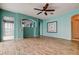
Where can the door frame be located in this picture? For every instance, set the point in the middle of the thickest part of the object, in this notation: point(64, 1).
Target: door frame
point(3, 26)
point(76, 15)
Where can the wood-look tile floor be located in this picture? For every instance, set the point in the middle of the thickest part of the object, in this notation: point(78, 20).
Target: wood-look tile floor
point(39, 46)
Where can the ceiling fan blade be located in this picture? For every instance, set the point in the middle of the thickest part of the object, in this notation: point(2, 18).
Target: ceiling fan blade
point(45, 13)
point(46, 6)
point(39, 13)
point(50, 10)
point(38, 9)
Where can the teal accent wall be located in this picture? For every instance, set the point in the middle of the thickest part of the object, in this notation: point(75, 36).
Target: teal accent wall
point(32, 31)
point(18, 30)
point(0, 27)
point(64, 25)
point(41, 27)
point(28, 32)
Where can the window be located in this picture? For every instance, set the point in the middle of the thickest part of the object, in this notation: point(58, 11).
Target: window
point(8, 28)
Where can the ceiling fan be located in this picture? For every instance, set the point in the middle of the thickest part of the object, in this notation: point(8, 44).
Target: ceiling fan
point(45, 10)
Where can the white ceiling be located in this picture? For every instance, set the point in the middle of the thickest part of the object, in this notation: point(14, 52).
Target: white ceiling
point(28, 8)
point(0, 5)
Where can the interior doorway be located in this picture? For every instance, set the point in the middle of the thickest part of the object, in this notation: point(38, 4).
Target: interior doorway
point(75, 27)
point(28, 28)
point(8, 28)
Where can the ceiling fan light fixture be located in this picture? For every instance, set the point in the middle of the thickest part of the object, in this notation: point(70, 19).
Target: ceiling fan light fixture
point(44, 9)
point(51, 13)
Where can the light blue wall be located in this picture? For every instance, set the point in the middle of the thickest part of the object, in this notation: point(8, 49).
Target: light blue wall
point(64, 25)
point(18, 33)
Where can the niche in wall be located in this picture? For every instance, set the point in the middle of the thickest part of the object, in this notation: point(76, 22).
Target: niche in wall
point(28, 28)
point(26, 23)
